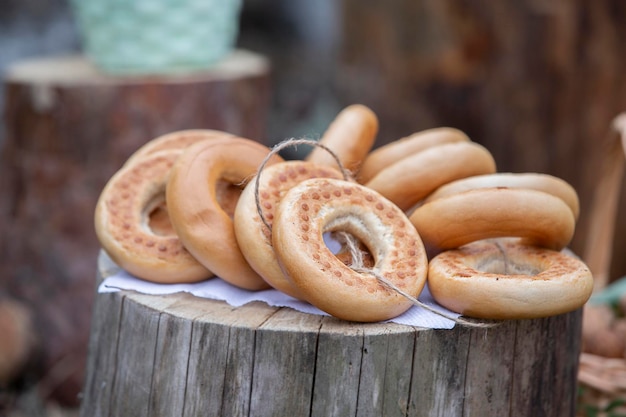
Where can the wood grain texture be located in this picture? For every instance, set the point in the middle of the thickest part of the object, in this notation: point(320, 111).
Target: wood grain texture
point(68, 129)
point(179, 355)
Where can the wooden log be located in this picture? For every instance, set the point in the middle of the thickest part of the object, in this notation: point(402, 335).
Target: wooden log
point(182, 355)
point(68, 129)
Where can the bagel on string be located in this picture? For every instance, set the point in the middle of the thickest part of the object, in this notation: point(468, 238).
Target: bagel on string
point(145, 247)
point(392, 152)
point(175, 140)
point(539, 218)
point(501, 279)
point(253, 236)
point(531, 180)
point(350, 136)
point(208, 176)
point(316, 206)
point(411, 179)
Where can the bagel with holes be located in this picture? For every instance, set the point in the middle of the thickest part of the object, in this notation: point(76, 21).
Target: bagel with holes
point(394, 151)
point(320, 205)
point(502, 279)
point(202, 193)
point(147, 249)
point(530, 180)
point(411, 179)
point(539, 218)
point(253, 236)
point(350, 136)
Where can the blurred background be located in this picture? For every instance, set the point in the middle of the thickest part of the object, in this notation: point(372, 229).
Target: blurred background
point(536, 82)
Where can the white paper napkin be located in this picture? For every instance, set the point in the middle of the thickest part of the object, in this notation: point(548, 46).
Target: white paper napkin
point(218, 289)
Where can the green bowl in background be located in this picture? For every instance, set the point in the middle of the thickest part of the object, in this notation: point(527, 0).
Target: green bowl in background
point(156, 36)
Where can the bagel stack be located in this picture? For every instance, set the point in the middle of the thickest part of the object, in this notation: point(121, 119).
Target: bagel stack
point(430, 207)
point(494, 239)
point(146, 224)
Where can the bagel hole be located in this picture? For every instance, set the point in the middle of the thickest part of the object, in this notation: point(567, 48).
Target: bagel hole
point(159, 219)
point(506, 266)
point(336, 242)
point(227, 195)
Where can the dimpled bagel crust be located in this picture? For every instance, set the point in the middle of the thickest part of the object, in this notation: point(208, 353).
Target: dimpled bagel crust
point(316, 206)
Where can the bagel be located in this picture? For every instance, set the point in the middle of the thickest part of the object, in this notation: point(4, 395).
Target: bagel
point(147, 250)
point(540, 218)
point(411, 179)
point(193, 200)
point(175, 140)
point(392, 152)
point(320, 205)
point(350, 136)
point(535, 181)
point(500, 279)
point(253, 236)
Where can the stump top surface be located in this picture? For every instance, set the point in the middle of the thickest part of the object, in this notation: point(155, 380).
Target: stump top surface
point(78, 70)
point(253, 315)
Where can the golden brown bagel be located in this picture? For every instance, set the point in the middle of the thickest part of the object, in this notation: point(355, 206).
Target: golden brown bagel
point(320, 205)
point(350, 136)
point(500, 279)
point(531, 180)
point(540, 218)
point(388, 154)
point(122, 223)
point(411, 179)
point(175, 140)
point(202, 224)
point(253, 237)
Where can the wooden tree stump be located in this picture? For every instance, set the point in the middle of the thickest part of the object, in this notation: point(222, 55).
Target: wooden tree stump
point(179, 355)
point(68, 129)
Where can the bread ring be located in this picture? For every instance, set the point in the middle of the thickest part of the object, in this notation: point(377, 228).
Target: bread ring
point(503, 280)
point(388, 154)
point(175, 140)
point(411, 179)
point(350, 136)
point(123, 227)
point(540, 218)
point(534, 181)
point(320, 205)
point(253, 237)
point(202, 224)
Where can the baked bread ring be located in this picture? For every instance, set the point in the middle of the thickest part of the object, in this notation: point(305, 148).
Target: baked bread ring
point(253, 236)
point(540, 218)
point(534, 181)
point(411, 179)
point(500, 279)
point(321, 205)
point(350, 136)
point(392, 152)
point(203, 225)
point(122, 223)
point(175, 140)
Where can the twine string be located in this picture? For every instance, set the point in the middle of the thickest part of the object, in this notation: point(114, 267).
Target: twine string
point(358, 266)
point(347, 175)
point(349, 240)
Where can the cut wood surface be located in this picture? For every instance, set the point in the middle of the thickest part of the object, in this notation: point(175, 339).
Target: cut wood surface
point(68, 129)
point(179, 355)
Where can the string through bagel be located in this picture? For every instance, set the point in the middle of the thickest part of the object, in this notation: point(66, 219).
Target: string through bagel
point(350, 241)
point(358, 266)
point(347, 175)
